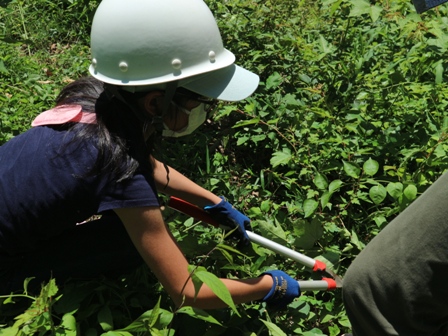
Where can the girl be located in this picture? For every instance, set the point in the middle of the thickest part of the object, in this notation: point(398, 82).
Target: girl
point(156, 71)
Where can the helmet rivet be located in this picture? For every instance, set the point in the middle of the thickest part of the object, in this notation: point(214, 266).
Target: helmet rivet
point(176, 63)
point(94, 62)
point(212, 56)
point(123, 66)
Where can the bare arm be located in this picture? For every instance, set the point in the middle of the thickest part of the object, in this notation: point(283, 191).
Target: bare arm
point(182, 187)
point(161, 253)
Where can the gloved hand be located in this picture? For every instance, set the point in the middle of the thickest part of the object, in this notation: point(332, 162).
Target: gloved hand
point(229, 218)
point(283, 291)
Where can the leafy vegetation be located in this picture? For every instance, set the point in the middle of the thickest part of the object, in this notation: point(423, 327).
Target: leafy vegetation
point(347, 128)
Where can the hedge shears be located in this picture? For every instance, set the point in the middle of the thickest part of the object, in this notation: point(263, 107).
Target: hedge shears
point(329, 281)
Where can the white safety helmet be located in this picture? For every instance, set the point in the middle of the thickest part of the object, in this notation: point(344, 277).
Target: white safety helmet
point(146, 44)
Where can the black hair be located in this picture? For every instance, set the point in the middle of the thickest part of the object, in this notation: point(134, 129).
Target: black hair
point(119, 131)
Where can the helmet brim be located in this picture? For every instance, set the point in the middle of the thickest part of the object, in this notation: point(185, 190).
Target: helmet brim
point(231, 83)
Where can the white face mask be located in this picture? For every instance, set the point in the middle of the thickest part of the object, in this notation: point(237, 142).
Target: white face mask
point(196, 118)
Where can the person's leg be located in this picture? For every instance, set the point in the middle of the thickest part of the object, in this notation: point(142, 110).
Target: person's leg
point(397, 284)
point(100, 247)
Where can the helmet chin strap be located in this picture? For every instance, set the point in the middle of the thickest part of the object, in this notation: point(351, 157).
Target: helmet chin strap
point(170, 90)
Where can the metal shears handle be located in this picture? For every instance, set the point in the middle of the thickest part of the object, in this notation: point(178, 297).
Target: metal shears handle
point(327, 283)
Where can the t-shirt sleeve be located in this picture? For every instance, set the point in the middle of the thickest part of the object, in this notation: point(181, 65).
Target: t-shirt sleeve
point(139, 191)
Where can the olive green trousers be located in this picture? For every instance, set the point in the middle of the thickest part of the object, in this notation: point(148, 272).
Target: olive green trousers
point(398, 285)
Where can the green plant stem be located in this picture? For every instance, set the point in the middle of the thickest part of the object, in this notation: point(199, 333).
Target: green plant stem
point(25, 32)
point(17, 295)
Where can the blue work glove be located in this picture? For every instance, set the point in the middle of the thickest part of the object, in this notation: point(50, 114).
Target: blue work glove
point(230, 218)
point(284, 290)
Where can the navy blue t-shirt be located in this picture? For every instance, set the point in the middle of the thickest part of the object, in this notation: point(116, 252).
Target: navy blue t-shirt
point(45, 187)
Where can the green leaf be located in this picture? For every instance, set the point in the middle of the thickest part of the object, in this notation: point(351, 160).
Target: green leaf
point(325, 198)
point(68, 325)
point(274, 330)
point(410, 192)
point(105, 319)
point(147, 319)
point(274, 80)
point(375, 12)
point(370, 167)
point(155, 312)
point(243, 123)
point(242, 140)
point(395, 189)
point(198, 314)
point(320, 181)
point(3, 68)
point(216, 285)
point(307, 233)
point(351, 169)
point(281, 158)
point(359, 8)
point(377, 194)
point(355, 241)
point(272, 231)
point(309, 206)
point(325, 46)
point(334, 185)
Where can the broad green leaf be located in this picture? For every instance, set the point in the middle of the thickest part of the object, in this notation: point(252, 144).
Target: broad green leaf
point(281, 158)
point(377, 194)
point(395, 189)
point(380, 220)
point(320, 181)
point(334, 185)
point(325, 198)
point(257, 138)
point(105, 319)
point(359, 7)
point(274, 330)
point(351, 169)
point(375, 12)
point(307, 233)
point(355, 241)
point(50, 289)
point(217, 287)
point(242, 140)
point(370, 167)
point(68, 325)
point(325, 46)
point(197, 283)
point(274, 80)
point(198, 314)
point(272, 231)
point(410, 192)
point(265, 206)
point(11, 331)
point(3, 68)
point(309, 206)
